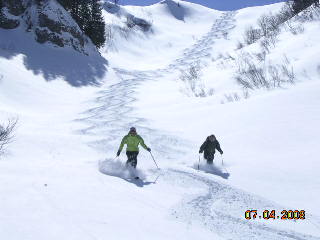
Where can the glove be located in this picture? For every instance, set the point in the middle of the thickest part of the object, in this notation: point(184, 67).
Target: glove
point(149, 149)
point(221, 152)
point(118, 153)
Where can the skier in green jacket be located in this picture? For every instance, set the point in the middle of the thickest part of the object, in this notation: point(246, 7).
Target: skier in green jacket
point(132, 140)
point(209, 148)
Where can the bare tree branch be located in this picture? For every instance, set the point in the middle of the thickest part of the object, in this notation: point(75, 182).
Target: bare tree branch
point(6, 133)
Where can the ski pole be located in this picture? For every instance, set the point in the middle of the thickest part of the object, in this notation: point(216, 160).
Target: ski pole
point(223, 164)
point(154, 160)
point(199, 163)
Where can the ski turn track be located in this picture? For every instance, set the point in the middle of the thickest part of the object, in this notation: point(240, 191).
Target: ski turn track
point(221, 210)
point(217, 209)
point(115, 113)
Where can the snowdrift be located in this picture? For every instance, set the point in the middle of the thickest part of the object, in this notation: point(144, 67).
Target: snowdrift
point(119, 169)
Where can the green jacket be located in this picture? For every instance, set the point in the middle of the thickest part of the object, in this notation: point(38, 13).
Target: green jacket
point(132, 143)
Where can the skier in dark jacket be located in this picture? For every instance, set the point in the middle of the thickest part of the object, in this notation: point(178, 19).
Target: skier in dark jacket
point(132, 140)
point(209, 148)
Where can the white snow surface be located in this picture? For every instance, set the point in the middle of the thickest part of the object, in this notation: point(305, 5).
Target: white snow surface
point(60, 178)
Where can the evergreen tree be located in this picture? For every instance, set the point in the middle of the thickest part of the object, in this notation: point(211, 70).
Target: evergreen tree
point(88, 15)
point(1, 15)
point(73, 7)
point(95, 28)
point(300, 5)
point(83, 14)
point(67, 4)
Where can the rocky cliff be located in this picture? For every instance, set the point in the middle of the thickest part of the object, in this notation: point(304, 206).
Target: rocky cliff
point(47, 20)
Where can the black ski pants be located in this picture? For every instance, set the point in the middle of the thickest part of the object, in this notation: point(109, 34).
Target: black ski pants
point(132, 158)
point(209, 156)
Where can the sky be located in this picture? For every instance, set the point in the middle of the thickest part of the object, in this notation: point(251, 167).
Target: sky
point(215, 4)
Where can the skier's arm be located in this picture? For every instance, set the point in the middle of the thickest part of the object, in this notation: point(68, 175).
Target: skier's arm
point(219, 148)
point(123, 142)
point(143, 144)
point(202, 147)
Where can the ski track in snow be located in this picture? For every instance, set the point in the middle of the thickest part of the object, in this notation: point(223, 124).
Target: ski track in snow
point(222, 209)
point(115, 112)
point(218, 208)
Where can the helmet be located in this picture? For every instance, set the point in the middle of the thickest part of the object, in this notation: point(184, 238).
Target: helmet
point(212, 137)
point(133, 130)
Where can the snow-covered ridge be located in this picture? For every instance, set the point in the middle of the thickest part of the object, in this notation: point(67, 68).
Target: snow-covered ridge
point(173, 27)
point(127, 18)
point(177, 10)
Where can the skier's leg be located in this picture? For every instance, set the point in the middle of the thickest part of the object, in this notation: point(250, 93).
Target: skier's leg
point(206, 157)
point(129, 156)
point(134, 159)
point(210, 158)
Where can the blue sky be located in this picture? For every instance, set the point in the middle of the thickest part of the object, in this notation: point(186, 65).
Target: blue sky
point(216, 4)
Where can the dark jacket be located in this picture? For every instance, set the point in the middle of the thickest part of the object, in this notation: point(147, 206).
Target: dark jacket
point(209, 147)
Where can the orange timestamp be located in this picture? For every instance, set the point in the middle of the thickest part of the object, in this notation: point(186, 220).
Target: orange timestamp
point(271, 214)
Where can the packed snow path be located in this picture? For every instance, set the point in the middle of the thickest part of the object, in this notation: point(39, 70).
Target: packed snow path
point(221, 208)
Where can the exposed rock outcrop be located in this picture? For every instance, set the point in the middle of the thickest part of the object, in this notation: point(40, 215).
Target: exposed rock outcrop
point(134, 21)
point(9, 10)
point(48, 21)
point(7, 22)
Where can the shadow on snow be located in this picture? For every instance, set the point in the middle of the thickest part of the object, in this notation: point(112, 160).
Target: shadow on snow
point(52, 62)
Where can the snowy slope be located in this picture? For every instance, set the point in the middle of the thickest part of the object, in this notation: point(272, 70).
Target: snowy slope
point(59, 179)
point(173, 29)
